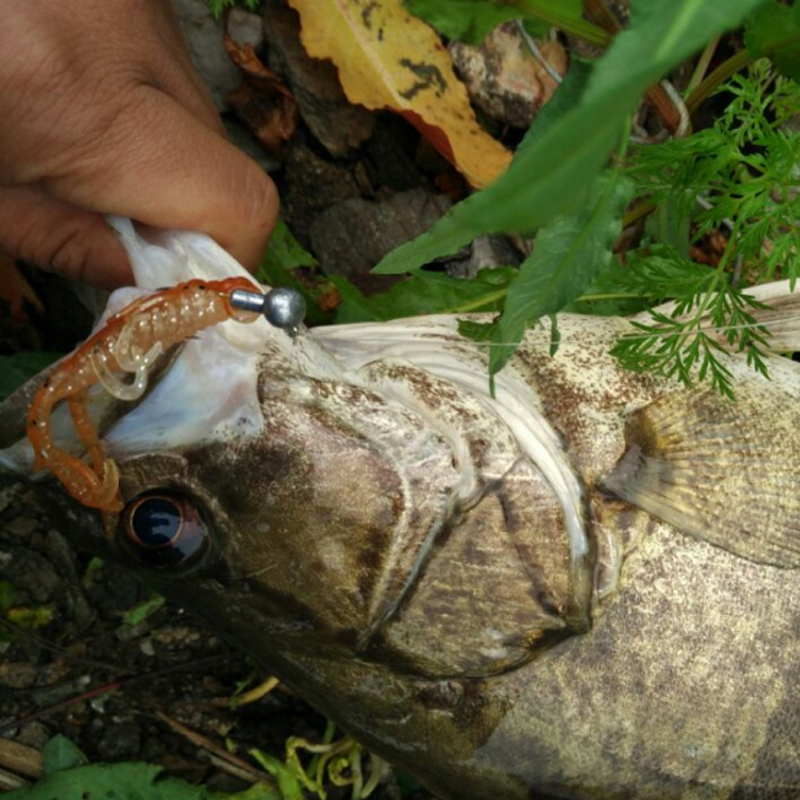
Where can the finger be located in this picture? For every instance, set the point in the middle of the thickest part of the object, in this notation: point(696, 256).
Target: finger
point(55, 236)
point(157, 163)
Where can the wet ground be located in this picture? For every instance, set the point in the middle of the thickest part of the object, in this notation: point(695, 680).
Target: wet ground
point(73, 661)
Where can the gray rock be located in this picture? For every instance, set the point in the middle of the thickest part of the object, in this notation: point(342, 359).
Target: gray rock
point(34, 734)
point(8, 494)
point(62, 557)
point(21, 527)
point(31, 572)
point(120, 741)
point(44, 696)
point(176, 637)
point(504, 79)
point(245, 28)
point(310, 185)
point(242, 137)
point(486, 252)
point(17, 675)
point(203, 36)
point(351, 237)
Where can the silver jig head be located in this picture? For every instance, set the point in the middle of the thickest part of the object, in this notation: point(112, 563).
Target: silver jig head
point(284, 308)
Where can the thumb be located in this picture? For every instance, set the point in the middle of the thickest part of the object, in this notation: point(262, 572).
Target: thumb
point(158, 164)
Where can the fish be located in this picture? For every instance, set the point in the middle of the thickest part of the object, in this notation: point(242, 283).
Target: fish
point(582, 586)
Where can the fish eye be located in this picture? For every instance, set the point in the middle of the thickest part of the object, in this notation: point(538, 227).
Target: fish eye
point(163, 530)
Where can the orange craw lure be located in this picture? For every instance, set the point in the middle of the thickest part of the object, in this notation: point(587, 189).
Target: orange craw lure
point(128, 343)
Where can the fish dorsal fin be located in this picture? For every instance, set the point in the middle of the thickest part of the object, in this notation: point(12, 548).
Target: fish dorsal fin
point(725, 472)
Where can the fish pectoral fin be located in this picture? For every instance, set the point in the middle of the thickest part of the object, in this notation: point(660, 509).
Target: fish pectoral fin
point(724, 472)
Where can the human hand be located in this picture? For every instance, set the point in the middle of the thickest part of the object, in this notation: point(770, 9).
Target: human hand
point(102, 112)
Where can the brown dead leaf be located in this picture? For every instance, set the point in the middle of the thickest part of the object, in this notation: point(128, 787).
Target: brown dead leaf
point(15, 290)
point(17, 299)
point(264, 104)
point(21, 759)
point(330, 300)
point(389, 59)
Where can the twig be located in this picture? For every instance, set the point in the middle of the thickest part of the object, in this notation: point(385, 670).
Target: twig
point(262, 690)
point(537, 53)
point(45, 645)
point(225, 758)
point(121, 683)
point(9, 781)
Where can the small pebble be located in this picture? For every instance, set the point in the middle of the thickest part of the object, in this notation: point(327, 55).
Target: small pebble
point(177, 637)
point(21, 526)
point(17, 675)
point(34, 734)
point(120, 741)
point(8, 494)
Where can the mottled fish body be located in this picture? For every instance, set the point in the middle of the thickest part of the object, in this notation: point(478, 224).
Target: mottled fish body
point(584, 587)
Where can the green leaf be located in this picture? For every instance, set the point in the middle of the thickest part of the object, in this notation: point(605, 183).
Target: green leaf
point(565, 99)
point(425, 293)
point(141, 611)
point(477, 331)
point(288, 784)
point(7, 593)
point(127, 781)
point(283, 252)
point(772, 24)
point(16, 369)
point(283, 257)
point(463, 20)
point(60, 753)
point(551, 177)
point(670, 225)
point(568, 254)
point(31, 617)
point(471, 20)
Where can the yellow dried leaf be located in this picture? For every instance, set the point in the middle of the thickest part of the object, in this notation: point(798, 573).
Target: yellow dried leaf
point(388, 59)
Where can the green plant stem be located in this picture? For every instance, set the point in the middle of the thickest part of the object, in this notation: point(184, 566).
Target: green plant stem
point(721, 74)
point(493, 297)
point(702, 66)
point(596, 298)
point(719, 272)
point(735, 63)
point(637, 212)
point(580, 28)
point(474, 305)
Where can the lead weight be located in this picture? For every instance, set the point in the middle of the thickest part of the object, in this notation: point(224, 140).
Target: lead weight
point(285, 308)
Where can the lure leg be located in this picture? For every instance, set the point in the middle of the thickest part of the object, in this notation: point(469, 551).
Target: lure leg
point(106, 475)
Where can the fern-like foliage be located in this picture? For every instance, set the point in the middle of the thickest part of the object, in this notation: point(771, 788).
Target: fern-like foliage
point(741, 175)
point(688, 342)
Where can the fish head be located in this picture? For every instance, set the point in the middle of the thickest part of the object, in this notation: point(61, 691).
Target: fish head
point(318, 499)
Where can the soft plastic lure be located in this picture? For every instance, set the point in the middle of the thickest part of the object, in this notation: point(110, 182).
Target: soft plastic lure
point(128, 344)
